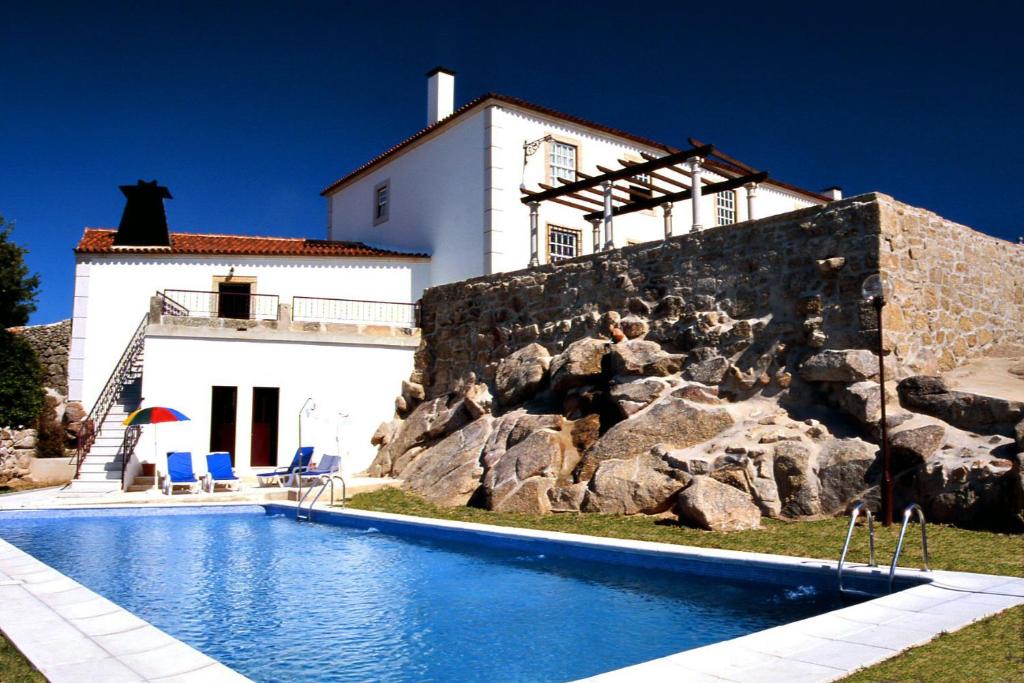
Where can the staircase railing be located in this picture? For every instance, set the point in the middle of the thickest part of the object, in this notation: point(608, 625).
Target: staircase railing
point(101, 407)
point(131, 437)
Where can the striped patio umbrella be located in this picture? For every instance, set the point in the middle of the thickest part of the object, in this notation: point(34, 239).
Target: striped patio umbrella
point(153, 416)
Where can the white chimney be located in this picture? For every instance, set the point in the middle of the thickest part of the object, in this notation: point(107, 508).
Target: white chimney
point(835, 192)
point(440, 94)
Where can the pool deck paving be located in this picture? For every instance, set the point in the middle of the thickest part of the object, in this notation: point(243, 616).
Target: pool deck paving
point(72, 634)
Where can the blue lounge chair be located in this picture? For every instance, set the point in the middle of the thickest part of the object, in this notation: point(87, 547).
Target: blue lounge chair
point(300, 463)
point(218, 471)
point(179, 472)
point(329, 464)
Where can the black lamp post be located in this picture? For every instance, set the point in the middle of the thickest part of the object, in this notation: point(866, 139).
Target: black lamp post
point(874, 290)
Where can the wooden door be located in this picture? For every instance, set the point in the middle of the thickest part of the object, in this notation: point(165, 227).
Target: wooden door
point(223, 409)
point(265, 402)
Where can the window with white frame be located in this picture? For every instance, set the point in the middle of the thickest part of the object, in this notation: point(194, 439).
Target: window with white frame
point(381, 202)
point(563, 161)
point(725, 205)
point(563, 243)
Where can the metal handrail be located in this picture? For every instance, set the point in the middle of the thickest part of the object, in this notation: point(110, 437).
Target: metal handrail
point(204, 303)
point(849, 536)
point(115, 383)
point(131, 438)
point(325, 480)
point(316, 308)
point(171, 307)
point(909, 512)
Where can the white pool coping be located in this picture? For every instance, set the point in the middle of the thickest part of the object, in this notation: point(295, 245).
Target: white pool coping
point(72, 634)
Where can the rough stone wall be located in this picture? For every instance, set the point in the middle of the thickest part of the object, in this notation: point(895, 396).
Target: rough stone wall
point(51, 344)
point(779, 287)
point(746, 292)
point(957, 293)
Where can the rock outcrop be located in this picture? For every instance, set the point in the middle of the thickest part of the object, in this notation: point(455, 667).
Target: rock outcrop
point(711, 505)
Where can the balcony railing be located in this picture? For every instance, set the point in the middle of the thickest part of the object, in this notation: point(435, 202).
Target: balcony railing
point(231, 305)
point(316, 309)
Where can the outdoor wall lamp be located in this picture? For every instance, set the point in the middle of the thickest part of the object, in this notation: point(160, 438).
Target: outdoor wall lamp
point(875, 289)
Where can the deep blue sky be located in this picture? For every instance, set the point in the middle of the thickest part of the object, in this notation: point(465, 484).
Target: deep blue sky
point(247, 110)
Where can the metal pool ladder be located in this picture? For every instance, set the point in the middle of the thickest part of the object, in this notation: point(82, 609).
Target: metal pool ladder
point(325, 482)
point(857, 509)
point(911, 510)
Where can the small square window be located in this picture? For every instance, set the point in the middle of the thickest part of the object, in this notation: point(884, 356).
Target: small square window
point(640, 188)
point(563, 243)
point(382, 202)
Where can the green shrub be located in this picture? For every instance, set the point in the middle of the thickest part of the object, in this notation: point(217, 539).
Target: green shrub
point(50, 431)
point(21, 377)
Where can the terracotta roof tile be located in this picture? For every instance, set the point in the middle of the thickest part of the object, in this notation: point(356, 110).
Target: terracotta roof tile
point(101, 241)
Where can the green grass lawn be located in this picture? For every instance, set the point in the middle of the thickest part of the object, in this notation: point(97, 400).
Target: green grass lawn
point(991, 650)
point(14, 668)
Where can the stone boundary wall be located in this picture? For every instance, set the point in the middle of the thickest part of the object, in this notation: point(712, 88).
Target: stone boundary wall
point(51, 343)
point(749, 292)
point(957, 293)
point(761, 294)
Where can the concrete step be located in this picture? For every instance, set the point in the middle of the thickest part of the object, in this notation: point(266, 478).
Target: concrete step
point(88, 471)
point(86, 486)
point(144, 481)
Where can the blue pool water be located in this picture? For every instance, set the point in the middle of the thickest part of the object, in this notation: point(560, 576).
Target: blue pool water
point(283, 601)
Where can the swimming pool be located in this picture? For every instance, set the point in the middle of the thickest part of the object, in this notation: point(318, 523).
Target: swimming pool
point(367, 599)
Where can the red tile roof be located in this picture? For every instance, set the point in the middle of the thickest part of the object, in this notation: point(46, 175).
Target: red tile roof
point(101, 241)
point(515, 101)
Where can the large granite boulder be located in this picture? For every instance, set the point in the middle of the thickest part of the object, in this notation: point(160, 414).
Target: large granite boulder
point(715, 506)
point(912, 447)
point(673, 422)
point(845, 365)
point(429, 422)
point(509, 483)
point(972, 412)
point(710, 371)
point(1018, 435)
point(521, 374)
point(567, 498)
point(845, 473)
point(646, 484)
point(631, 397)
point(580, 364)
point(955, 486)
point(641, 357)
point(861, 400)
point(448, 473)
point(795, 468)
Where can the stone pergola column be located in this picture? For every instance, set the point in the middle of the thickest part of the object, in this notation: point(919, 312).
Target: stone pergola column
point(695, 188)
point(534, 237)
point(595, 223)
point(609, 234)
point(666, 211)
point(751, 196)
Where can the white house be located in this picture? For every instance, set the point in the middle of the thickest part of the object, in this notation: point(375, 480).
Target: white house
point(240, 332)
point(237, 332)
point(455, 189)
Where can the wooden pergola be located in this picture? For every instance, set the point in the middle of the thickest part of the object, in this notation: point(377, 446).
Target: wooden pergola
point(641, 185)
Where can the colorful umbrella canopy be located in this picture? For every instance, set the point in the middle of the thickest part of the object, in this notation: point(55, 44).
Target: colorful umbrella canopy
point(154, 415)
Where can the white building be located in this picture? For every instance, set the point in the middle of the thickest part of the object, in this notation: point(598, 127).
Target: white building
point(453, 189)
point(238, 332)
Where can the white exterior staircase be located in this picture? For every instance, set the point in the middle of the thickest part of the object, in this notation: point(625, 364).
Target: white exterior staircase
point(102, 458)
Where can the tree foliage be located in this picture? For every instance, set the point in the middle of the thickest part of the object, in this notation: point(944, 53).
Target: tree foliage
point(21, 380)
point(21, 376)
point(18, 289)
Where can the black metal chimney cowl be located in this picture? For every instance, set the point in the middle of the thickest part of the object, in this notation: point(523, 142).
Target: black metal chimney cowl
point(144, 221)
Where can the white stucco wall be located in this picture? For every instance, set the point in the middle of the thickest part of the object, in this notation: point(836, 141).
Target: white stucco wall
point(457, 192)
point(436, 202)
point(357, 380)
point(112, 294)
